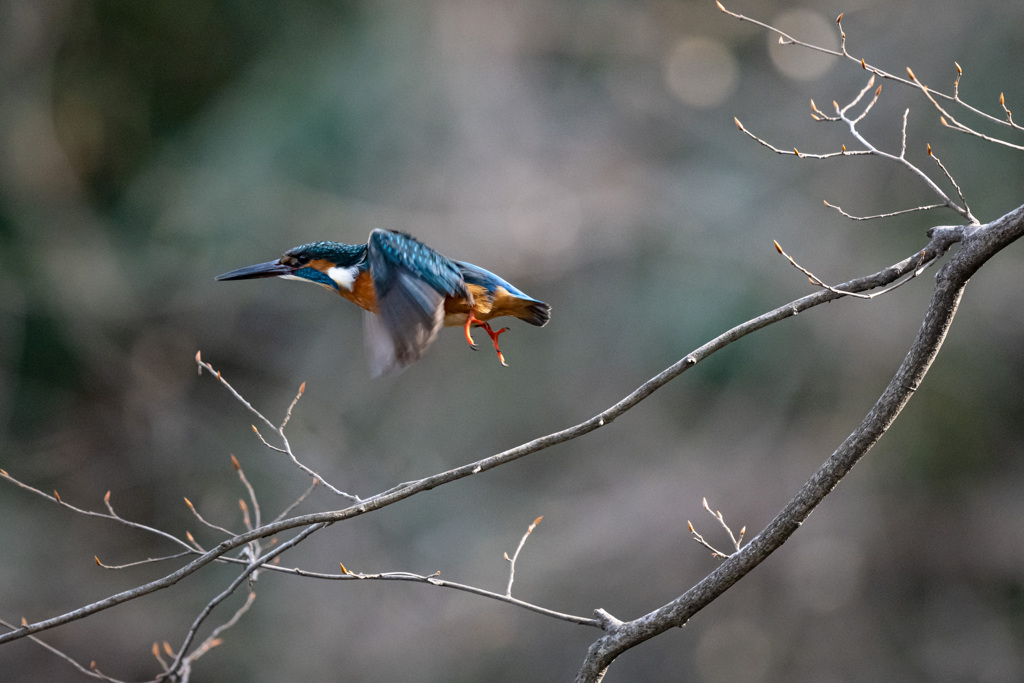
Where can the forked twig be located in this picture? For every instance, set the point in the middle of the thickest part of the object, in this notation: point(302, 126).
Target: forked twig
point(737, 540)
point(515, 556)
point(279, 430)
point(815, 280)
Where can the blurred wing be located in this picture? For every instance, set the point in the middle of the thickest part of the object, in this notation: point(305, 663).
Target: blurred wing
point(410, 281)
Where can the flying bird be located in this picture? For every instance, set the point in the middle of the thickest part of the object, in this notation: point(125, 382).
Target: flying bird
point(408, 291)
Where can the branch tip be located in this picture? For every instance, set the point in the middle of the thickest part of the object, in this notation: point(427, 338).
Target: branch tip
point(189, 503)
point(911, 74)
point(344, 571)
point(738, 124)
point(839, 19)
point(234, 462)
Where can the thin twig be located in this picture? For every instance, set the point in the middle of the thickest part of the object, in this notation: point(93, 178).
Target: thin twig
point(55, 498)
point(213, 640)
point(288, 413)
point(882, 215)
point(515, 556)
point(148, 560)
point(297, 501)
point(786, 39)
point(206, 522)
point(248, 486)
point(88, 671)
point(286, 449)
point(821, 283)
point(433, 580)
point(737, 541)
point(239, 580)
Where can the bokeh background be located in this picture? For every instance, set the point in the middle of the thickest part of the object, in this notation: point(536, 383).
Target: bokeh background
point(586, 152)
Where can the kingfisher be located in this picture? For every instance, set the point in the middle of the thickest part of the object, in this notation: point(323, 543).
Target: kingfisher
point(408, 290)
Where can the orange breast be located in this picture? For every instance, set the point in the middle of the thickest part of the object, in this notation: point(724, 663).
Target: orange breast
point(362, 293)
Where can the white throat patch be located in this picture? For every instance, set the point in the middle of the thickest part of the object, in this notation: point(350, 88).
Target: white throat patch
point(344, 277)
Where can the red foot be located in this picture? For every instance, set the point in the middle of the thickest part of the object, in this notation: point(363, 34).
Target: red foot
point(472, 320)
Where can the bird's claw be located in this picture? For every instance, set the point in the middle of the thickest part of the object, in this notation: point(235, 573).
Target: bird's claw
point(471, 320)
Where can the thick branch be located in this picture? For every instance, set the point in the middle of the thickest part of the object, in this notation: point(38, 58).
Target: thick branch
point(978, 245)
point(941, 240)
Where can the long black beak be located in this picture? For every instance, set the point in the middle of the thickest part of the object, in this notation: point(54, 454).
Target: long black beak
point(268, 269)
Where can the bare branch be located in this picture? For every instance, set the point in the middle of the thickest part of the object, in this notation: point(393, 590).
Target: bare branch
point(288, 413)
point(978, 244)
point(433, 580)
point(286, 449)
point(932, 94)
point(203, 520)
point(882, 215)
point(939, 244)
point(949, 176)
point(213, 640)
point(245, 482)
point(239, 580)
point(55, 498)
point(815, 280)
point(515, 556)
point(737, 540)
point(298, 501)
point(92, 671)
point(148, 560)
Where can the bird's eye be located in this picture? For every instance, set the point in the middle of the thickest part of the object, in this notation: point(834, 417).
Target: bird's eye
point(302, 259)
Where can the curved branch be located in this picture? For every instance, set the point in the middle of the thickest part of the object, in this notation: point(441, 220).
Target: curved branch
point(941, 240)
point(978, 245)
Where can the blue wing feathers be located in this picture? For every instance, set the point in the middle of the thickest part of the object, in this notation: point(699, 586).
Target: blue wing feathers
point(398, 251)
point(411, 282)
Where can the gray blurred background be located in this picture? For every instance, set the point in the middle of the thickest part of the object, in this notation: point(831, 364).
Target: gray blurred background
point(587, 153)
